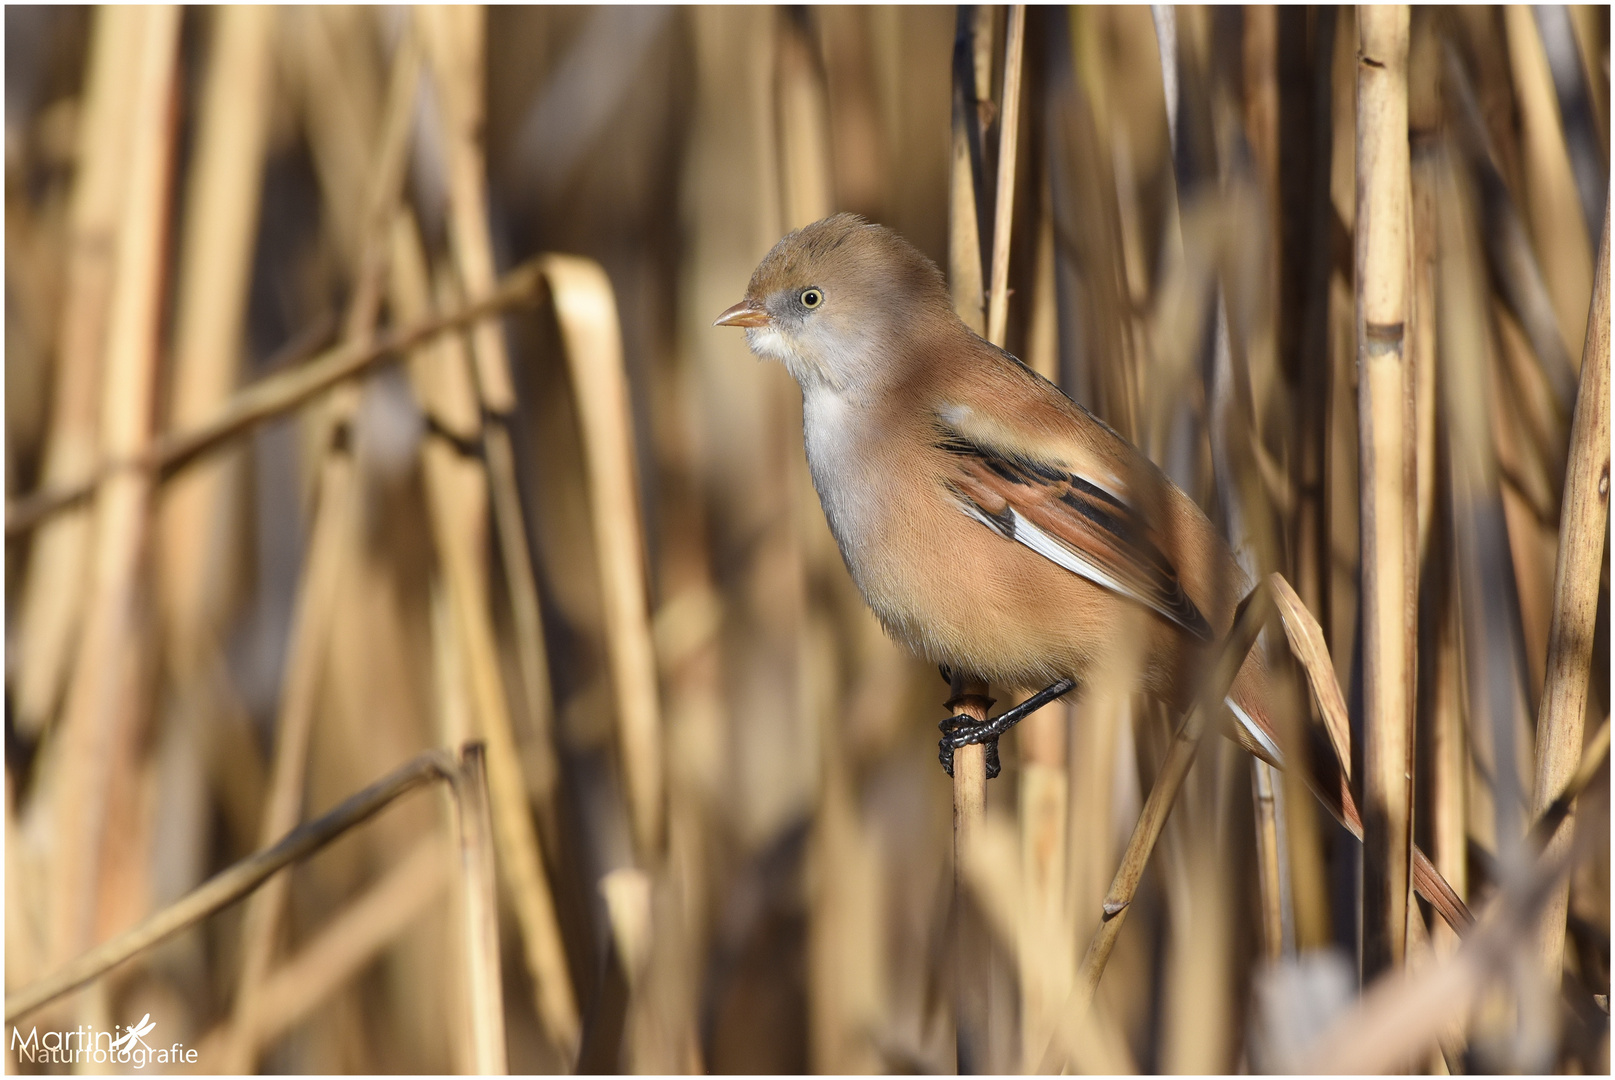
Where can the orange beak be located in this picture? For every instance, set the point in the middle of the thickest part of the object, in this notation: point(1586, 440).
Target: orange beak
point(743, 314)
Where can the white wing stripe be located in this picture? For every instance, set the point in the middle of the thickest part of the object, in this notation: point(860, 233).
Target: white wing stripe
point(1255, 732)
point(1063, 555)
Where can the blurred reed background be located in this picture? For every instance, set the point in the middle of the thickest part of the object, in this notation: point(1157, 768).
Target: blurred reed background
point(583, 533)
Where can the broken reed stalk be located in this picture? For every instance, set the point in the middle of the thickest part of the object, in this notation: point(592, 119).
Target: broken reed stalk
point(274, 396)
point(1583, 524)
point(231, 884)
point(1009, 124)
point(480, 907)
point(1385, 452)
point(586, 311)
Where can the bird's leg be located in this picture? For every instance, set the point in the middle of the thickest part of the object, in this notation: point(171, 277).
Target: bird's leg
point(960, 731)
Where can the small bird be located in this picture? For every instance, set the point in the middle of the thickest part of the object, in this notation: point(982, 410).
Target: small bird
point(992, 524)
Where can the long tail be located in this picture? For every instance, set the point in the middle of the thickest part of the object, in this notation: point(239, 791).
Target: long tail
point(1329, 780)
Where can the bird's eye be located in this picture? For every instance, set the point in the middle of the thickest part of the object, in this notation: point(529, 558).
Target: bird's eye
point(812, 298)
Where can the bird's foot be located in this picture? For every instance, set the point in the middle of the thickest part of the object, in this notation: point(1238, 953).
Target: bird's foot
point(959, 731)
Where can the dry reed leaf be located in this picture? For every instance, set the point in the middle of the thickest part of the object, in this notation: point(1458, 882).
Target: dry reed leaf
point(1306, 642)
point(586, 310)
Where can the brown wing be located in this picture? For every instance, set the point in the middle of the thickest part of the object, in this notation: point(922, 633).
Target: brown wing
point(1071, 521)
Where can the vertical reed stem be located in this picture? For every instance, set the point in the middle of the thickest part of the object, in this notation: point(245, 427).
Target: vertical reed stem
point(475, 833)
point(971, 1004)
point(1009, 125)
point(1583, 523)
point(964, 176)
point(1385, 452)
point(1267, 852)
point(103, 699)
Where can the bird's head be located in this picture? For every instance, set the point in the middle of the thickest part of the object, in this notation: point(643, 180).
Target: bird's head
point(843, 304)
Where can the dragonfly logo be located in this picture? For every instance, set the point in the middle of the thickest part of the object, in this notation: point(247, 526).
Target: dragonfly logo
point(86, 1046)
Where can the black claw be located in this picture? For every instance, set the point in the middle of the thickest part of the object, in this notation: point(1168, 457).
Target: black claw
point(962, 731)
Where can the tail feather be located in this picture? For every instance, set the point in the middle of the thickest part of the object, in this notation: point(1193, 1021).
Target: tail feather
point(1329, 780)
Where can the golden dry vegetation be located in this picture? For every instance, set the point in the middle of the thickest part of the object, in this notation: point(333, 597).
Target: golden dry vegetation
point(375, 476)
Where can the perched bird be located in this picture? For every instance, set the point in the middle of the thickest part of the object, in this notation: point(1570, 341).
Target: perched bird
point(991, 523)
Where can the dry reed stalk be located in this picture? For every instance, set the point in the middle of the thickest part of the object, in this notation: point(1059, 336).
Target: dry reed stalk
point(231, 884)
point(480, 910)
point(274, 396)
point(586, 310)
point(102, 710)
point(1009, 126)
point(1520, 277)
point(1384, 414)
point(1449, 756)
point(454, 41)
point(972, 1002)
point(1495, 696)
point(1582, 528)
point(971, 956)
point(965, 177)
point(455, 489)
point(456, 45)
point(1552, 205)
point(1270, 879)
point(215, 266)
point(52, 593)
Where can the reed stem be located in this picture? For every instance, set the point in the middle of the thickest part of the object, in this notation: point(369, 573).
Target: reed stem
point(1385, 449)
point(1583, 525)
